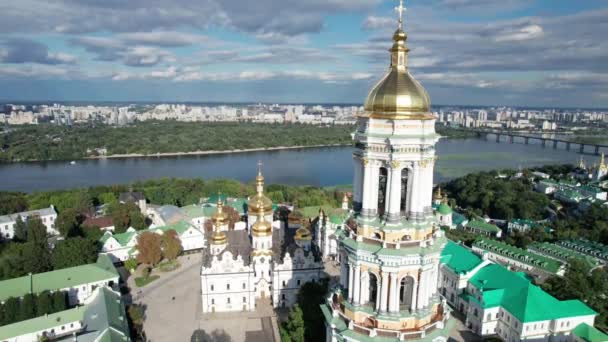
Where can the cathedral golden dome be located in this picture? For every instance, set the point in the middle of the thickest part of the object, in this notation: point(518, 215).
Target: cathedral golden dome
point(261, 227)
point(303, 234)
point(398, 95)
point(218, 237)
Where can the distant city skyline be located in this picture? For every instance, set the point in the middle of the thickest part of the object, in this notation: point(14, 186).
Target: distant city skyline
point(540, 53)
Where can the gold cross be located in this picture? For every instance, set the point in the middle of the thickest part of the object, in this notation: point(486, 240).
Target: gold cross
point(400, 10)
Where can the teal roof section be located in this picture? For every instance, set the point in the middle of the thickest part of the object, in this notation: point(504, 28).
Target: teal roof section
point(588, 333)
point(458, 258)
point(102, 270)
point(524, 300)
point(483, 226)
point(458, 218)
point(194, 211)
point(444, 209)
point(339, 216)
point(521, 255)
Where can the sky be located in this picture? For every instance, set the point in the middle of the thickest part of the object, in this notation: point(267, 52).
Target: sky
point(541, 53)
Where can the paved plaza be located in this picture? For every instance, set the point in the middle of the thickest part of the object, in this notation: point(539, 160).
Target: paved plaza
point(173, 313)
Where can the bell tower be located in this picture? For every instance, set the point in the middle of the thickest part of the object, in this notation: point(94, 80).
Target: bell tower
point(390, 257)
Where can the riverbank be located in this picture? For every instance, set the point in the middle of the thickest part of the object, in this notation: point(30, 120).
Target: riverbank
point(203, 153)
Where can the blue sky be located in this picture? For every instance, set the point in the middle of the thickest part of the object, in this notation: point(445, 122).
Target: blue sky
point(468, 52)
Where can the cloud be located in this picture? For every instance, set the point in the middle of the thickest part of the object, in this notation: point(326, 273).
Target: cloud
point(163, 38)
point(116, 49)
point(18, 51)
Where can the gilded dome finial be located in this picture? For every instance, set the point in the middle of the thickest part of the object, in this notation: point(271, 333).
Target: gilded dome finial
point(398, 95)
point(400, 9)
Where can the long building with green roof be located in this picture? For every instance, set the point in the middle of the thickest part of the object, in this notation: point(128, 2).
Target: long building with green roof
point(510, 255)
point(101, 318)
point(498, 302)
point(79, 282)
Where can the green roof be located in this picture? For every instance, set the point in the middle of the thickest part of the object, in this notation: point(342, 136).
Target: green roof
point(561, 253)
point(41, 323)
point(458, 258)
point(102, 270)
point(104, 317)
point(313, 211)
point(180, 227)
point(512, 252)
point(124, 238)
point(339, 216)
point(482, 225)
point(524, 300)
point(588, 333)
point(194, 211)
point(444, 209)
point(458, 218)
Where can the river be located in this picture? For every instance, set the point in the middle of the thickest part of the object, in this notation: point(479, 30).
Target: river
point(313, 166)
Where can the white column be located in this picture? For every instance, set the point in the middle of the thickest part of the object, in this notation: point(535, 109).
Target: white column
point(351, 278)
point(367, 185)
point(421, 287)
point(358, 183)
point(415, 205)
point(394, 201)
point(387, 195)
point(343, 274)
point(357, 294)
point(384, 295)
point(394, 294)
point(375, 186)
point(378, 293)
point(415, 295)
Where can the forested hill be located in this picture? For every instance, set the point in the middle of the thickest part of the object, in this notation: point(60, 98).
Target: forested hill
point(50, 142)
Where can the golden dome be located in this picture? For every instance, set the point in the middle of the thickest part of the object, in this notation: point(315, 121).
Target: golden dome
point(261, 227)
point(218, 238)
point(398, 95)
point(438, 195)
point(303, 234)
point(259, 201)
point(220, 216)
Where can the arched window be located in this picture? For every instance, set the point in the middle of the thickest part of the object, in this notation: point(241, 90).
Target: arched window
point(373, 289)
point(406, 293)
point(382, 190)
point(404, 190)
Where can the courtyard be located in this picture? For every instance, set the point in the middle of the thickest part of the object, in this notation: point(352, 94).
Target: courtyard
point(172, 311)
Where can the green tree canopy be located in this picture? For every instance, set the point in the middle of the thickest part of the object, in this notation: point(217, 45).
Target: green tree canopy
point(74, 252)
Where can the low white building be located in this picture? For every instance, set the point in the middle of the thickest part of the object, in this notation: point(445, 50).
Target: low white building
point(121, 247)
point(79, 282)
point(505, 304)
point(325, 232)
point(102, 317)
point(48, 216)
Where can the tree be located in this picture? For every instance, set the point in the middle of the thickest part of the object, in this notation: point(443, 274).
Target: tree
point(131, 264)
point(148, 245)
point(20, 230)
point(44, 304)
point(107, 198)
point(74, 252)
point(27, 308)
point(36, 257)
point(11, 309)
point(125, 216)
point(310, 296)
point(36, 231)
point(68, 222)
point(12, 202)
point(60, 301)
point(293, 329)
point(171, 245)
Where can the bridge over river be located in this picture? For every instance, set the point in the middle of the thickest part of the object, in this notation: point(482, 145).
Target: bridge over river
point(545, 141)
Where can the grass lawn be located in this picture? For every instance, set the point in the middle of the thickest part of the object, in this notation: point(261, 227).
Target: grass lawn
point(168, 266)
point(141, 281)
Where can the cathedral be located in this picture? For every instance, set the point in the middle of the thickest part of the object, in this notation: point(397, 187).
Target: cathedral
point(266, 261)
point(390, 254)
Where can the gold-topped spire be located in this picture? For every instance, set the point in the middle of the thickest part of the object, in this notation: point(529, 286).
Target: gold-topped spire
point(438, 195)
point(398, 95)
point(259, 200)
point(581, 164)
point(603, 165)
point(218, 237)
